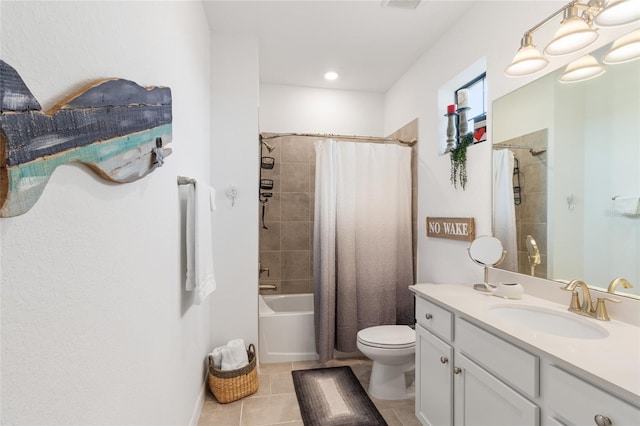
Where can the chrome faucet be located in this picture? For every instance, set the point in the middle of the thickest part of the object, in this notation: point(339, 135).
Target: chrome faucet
point(584, 308)
point(614, 283)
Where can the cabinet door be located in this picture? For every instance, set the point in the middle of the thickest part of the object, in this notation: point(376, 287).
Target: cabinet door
point(434, 393)
point(576, 402)
point(481, 399)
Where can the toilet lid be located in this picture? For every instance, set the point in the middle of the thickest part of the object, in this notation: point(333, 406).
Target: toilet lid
point(388, 336)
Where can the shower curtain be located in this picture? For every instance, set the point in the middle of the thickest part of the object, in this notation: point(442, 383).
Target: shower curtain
point(362, 262)
point(504, 211)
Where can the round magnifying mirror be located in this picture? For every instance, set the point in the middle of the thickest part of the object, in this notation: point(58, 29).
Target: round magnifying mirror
point(486, 251)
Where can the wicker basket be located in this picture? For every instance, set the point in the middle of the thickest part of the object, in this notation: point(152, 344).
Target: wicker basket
point(232, 385)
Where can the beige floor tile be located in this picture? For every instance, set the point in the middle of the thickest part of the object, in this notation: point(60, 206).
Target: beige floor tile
point(362, 372)
point(401, 403)
point(264, 386)
point(307, 365)
point(281, 383)
point(339, 362)
point(275, 403)
point(407, 416)
point(270, 410)
point(215, 414)
point(390, 417)
point(278, 367)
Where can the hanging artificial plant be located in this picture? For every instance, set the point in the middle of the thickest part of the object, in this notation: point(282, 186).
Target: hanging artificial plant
point(459, 161)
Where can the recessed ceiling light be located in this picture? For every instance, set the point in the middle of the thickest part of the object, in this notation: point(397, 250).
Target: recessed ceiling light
point(331, 75)
point(401, 4)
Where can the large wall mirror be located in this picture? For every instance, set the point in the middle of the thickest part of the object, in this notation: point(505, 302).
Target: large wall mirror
point(569, 154)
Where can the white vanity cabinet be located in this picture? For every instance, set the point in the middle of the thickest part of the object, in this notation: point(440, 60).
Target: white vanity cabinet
point(453, 389)
point(572, 401)
point(434, 382)
point(470, 373)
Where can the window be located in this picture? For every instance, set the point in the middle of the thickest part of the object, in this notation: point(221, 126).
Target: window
point(477, 102)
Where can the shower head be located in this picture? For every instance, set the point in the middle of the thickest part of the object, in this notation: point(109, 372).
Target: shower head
point(533, 251)
point(532, 151)
point(269, 147)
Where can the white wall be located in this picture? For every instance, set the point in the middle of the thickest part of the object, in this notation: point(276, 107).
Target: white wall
point(235, 163)
point(288, 109)
point(489, 33)
point(96, 328)
point(612, 154)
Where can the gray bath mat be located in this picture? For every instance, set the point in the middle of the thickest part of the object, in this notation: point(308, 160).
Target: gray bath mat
point(334, 397)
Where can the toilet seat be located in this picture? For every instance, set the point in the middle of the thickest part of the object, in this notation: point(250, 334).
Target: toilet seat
point(388, 337)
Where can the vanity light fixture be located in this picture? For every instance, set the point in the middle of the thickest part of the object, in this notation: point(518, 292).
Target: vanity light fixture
point(528, 59)
point(619, 12)
point(584, 68)
point(575, 33)
point(624, 49)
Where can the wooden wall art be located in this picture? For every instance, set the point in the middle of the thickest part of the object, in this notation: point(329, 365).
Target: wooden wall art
point(114, 126)
point(452, 228)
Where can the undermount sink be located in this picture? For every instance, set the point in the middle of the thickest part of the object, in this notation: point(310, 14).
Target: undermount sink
point(549, 321)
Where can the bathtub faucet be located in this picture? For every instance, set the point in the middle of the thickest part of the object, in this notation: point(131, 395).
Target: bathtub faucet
point(267, 287)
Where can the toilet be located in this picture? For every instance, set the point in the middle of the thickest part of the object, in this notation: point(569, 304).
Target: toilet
point(392, 350)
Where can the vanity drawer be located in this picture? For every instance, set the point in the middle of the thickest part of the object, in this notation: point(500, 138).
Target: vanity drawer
point(516, 367)
point(577, 402)
point(434, 318)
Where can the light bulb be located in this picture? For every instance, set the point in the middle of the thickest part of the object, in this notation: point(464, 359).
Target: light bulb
point(527, 60)
point(624, 49)
point(618, 12)
point(582, 69)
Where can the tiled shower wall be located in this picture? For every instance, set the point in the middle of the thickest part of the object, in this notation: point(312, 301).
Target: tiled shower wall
point(286, 245)
point(531, 214)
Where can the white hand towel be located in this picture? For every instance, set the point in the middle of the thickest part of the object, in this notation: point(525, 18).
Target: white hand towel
point(200, 274)
point(629, 206)
point(234, 355)
point(216, 355)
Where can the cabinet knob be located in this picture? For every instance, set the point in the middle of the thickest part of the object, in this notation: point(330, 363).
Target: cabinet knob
point(602, 420)
point(457, 370)
point(428, 316)
point(444, 359)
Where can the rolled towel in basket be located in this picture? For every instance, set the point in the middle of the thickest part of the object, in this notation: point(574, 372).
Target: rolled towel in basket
point(216, 356)
point(234, 355)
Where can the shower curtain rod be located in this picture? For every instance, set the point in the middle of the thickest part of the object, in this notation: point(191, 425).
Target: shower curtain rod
point(531, 150)
point(329, 135)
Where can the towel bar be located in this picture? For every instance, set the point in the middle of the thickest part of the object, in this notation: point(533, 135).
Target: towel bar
point(182, 180)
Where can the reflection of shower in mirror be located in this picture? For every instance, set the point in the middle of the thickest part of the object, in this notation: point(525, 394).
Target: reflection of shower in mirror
point(533, 254)
point(270, 148)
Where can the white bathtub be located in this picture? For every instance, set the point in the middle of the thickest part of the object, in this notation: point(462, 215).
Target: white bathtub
point(286, 328)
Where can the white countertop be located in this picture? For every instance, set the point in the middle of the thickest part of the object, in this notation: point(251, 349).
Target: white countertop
point(613, 360)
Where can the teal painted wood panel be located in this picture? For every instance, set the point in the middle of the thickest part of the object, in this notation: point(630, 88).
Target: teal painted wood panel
point(116, 127)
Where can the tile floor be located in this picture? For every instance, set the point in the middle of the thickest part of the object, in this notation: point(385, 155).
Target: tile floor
point(275, 401)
